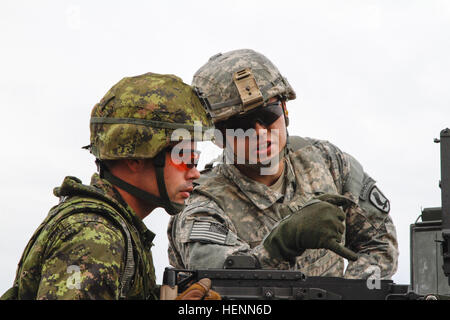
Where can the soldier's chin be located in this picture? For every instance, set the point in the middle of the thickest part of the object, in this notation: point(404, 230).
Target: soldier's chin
point(267, 166)
point(180, 199)
point(266, 159)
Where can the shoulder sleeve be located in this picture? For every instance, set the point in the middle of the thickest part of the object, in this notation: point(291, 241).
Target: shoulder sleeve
point(202, 236)
point(370, 230)
point(83, 260)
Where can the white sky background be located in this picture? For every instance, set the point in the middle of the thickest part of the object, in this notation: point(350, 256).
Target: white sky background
point(371, 76)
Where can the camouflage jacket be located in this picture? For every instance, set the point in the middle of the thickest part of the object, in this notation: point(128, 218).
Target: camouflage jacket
point(230, 214)
point(90, 246)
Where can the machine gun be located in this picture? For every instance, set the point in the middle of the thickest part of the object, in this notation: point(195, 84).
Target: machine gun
point(430, 266)
point(242, 280)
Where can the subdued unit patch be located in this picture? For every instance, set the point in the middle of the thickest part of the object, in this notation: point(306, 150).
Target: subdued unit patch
point(378, 199)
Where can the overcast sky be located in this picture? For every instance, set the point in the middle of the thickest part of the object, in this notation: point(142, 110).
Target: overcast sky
point(371, 77)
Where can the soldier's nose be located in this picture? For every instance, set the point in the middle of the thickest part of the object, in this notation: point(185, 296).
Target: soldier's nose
point(193, 174)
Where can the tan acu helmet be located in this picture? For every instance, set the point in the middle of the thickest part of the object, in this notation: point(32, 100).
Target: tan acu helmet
point(239, 81)
point(137, 116)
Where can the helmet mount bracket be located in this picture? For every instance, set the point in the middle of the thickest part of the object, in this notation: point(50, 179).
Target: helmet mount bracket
point(248, 89)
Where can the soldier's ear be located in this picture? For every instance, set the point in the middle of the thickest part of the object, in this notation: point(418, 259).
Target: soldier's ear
point(219, 138)
point(286, 113)
point(135, 165)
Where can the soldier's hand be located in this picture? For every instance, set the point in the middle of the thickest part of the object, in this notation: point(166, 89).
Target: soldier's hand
point(200, 290)
point(318, 224)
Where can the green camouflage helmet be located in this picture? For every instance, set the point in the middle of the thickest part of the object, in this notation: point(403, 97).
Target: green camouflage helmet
point(137, 116)
point(239, 81)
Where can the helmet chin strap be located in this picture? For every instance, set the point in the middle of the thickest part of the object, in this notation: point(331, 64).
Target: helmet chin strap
point(286, 121)
point(163, 201)
point(171, 207)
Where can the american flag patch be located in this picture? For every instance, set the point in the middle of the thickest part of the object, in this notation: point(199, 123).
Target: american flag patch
point(208, 232)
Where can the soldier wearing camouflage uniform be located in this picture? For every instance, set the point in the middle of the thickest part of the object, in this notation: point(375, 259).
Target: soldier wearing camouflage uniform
point(316, 208)
point(93, 244)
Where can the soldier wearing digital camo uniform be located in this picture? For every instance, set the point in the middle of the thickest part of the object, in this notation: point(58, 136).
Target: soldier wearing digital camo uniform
point(93, 244)
point(316, 206)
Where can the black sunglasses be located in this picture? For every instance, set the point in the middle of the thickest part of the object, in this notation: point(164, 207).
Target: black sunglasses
point(265, 116)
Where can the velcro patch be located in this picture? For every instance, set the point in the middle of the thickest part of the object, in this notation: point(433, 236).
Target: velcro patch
point(208, 232)
point(378, 199)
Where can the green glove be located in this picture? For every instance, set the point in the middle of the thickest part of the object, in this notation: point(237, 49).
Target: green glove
point(318, 224)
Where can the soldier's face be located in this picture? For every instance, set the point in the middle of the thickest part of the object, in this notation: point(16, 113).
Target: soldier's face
point(258, 144)
point(180, 171)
